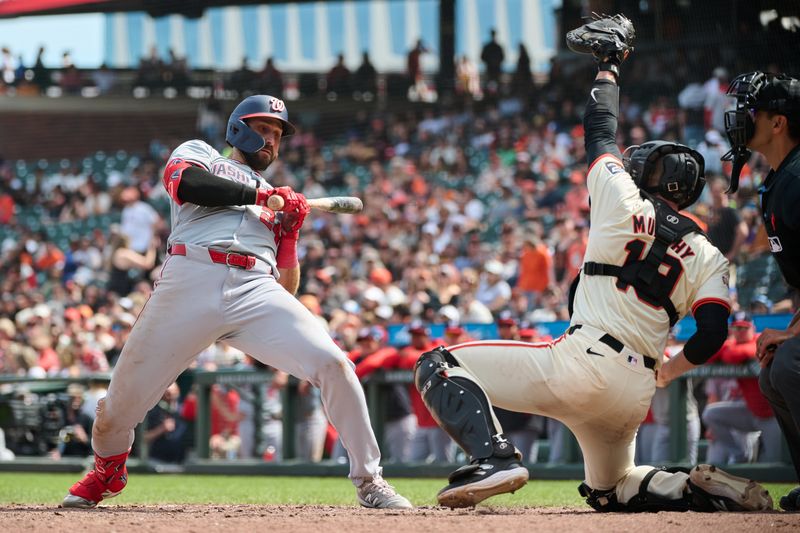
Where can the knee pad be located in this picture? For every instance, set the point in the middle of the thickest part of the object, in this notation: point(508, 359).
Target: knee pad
point(459, 405)
point(429, 363)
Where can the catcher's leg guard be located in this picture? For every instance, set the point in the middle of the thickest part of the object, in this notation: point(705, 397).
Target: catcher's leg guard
point(459, 405)
point(463, 410)
point(645, 489)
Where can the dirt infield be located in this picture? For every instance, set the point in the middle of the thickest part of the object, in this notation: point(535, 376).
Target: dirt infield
point(316, 519)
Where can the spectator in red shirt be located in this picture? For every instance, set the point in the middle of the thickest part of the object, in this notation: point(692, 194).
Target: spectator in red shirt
point(747, 414)
point(225, 441)
point(431, 443)
point(521, 428)
point(454, 333)
point(6, 208)
point(371, 354)
point(529, 333)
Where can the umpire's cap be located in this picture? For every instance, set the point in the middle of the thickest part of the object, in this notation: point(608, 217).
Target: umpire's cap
point(239, 135)
point(780, 94)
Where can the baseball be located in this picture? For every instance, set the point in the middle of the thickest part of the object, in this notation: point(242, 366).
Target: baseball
point(275, 202)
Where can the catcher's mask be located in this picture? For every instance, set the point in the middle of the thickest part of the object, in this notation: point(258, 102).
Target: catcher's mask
point(755, 91)
point(683, 178)
point(239, 134)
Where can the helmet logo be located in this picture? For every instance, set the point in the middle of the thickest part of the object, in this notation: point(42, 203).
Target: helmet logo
point(672, 219)
point(276, 105)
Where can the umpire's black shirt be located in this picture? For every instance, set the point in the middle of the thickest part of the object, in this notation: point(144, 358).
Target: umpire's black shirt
point(780, 207)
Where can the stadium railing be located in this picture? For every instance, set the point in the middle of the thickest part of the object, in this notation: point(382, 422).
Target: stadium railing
point(376, 388)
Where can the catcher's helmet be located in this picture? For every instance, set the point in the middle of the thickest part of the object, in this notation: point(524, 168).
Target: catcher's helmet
point(683, 178)
point(240, 135)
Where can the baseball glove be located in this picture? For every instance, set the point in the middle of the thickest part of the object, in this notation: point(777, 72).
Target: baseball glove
point(609, 39)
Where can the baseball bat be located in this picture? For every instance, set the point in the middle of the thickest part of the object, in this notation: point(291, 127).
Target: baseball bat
point(331, 204)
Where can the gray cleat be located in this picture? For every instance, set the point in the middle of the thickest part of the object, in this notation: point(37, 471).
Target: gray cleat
point(376, 493)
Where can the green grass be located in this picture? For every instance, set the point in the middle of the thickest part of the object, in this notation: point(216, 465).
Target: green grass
point(23, 488)
point(161, 489)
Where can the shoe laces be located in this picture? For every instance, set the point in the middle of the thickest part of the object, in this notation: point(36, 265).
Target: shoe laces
point(382, 486)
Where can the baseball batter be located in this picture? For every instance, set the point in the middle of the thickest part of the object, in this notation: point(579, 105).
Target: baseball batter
point(231, 274)
point(645, 266)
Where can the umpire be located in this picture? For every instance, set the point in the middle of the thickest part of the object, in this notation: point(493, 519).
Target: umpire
point(766, 119)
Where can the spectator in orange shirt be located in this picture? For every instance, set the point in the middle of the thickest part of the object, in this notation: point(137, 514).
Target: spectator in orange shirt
point(49, 257)
point(749, 413)
point(535, 269)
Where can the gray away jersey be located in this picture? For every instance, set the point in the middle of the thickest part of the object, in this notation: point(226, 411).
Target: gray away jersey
point(248, 229)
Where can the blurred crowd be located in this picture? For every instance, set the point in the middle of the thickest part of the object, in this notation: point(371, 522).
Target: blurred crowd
point(474, 213)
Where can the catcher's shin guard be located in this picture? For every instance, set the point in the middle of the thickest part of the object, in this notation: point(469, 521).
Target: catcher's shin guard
point(459, 405)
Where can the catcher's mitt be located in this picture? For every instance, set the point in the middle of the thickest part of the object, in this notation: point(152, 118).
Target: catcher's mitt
point(609, 39)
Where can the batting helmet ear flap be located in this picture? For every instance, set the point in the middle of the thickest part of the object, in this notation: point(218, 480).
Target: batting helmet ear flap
point(242, 137)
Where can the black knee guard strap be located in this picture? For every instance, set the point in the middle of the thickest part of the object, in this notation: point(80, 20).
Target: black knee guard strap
point(604, 501)
point(459, 406)
point(644, 502)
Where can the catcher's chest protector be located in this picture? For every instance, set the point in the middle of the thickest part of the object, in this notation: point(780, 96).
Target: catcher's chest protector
point(642, 272)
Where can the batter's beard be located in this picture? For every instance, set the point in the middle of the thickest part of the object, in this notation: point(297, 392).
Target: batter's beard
point(258, 161)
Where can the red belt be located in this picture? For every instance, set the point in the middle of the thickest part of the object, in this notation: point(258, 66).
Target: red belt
point(232, 259)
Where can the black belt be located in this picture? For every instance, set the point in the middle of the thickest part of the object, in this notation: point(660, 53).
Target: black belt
point(615, 345)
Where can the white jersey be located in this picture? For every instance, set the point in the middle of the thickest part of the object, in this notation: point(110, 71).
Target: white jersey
point(623, 225)
point(248, 229)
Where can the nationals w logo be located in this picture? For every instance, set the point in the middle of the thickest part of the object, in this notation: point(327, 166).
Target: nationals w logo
point(276, 105)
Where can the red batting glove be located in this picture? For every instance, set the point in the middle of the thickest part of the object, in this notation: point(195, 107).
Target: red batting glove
point(263, 194)
point(295, 210)
point(295, 206)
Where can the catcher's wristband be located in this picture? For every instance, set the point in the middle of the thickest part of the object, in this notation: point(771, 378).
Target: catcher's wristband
point(607, 66)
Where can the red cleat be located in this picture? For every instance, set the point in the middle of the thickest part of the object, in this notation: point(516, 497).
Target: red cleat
point(107, 480)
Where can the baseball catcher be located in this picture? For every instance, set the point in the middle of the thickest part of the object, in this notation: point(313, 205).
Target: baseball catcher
point(646, 265)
